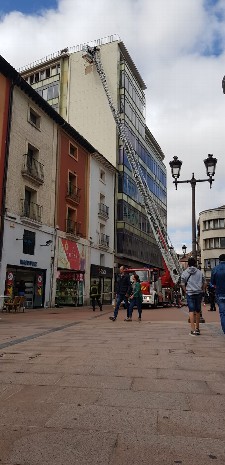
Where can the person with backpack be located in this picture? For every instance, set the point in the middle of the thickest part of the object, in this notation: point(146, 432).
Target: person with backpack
point(95, 296)
point(135, 298)
point(194, 285)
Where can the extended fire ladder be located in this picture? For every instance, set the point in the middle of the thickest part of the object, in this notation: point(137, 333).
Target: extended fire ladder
point(92, 55)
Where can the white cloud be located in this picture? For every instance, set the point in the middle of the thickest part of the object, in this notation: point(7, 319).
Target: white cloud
point(170, 41)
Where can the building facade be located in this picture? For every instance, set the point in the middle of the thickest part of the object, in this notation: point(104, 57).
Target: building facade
point(74, 88)
point(54, 186)
point(211, 239)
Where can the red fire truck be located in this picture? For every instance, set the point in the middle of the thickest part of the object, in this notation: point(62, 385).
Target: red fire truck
point(156, 289)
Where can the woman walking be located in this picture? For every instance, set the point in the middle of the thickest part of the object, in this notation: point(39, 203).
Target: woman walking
point(135, 298)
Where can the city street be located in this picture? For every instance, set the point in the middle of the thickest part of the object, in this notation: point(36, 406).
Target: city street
point(77, 388)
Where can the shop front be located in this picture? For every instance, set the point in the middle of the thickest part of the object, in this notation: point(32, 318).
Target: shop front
point(70, 274)
point(33, 280)
point(103, 276)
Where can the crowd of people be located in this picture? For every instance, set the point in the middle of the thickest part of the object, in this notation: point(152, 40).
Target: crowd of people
point(194, 288)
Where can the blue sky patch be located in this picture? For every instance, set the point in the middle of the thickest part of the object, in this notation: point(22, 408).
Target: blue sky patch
point(26, 6)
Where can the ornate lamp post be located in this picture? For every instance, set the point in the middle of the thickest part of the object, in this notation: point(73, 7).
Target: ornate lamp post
point(210, 164)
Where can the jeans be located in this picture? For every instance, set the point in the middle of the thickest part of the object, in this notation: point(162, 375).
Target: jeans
point(134, 302)
point(119, 299)
point(194, 302)
point(221, 304)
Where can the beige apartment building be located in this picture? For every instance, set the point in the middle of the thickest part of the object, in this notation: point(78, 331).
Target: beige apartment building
point(211, 237)
point(29, 232)
point(73, 87)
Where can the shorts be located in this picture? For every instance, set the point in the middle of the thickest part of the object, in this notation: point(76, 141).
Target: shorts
point(194, 302)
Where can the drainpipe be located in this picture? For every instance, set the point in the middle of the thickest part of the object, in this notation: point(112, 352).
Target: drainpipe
point(6, 166)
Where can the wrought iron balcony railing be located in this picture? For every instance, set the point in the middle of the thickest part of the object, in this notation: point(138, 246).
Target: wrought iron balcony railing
point(31, 210)
point(103, 210)
point(33, 168)
point(73, 227)
point(104, 240)
point(73, 192)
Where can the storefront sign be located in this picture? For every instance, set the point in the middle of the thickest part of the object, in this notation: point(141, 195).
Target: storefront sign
point(28, 263)
point(97, 271)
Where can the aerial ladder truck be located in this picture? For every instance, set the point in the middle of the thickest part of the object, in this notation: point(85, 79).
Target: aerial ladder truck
point(92, 55)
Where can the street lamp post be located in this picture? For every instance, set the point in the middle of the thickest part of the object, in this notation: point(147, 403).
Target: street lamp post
point(210, 164)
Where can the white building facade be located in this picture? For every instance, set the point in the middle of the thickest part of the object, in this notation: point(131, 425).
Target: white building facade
point(29, 232)
point(211, 237)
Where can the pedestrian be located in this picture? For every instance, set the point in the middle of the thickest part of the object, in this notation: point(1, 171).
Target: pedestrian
point(123, 289)
point(218, 280)
point(212, 297)
point(193, 284)
point(135, 298)
point(95, 296)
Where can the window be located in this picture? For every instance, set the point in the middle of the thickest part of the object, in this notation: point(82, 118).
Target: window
point(28, 242)
point(73, 152)
point(102, 175)
point(34, 118)
point(102, 259)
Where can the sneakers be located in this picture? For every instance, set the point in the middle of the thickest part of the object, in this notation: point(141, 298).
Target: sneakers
point(195, 333)
point(128, 319)
point(101, 309)
point(112, 318)
point(139, 318)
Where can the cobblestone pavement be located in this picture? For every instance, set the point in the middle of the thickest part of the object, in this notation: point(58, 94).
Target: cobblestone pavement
point(77, 388)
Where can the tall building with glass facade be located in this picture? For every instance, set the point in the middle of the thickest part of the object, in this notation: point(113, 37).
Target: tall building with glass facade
point(73, 87)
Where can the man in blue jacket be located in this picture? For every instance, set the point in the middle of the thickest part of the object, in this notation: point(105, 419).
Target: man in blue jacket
point(123, 290)
point(218, 280)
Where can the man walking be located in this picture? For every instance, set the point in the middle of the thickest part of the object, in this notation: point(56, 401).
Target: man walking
point(95, 296)
point(193, 284)
point(218, 280)
point(123, 289)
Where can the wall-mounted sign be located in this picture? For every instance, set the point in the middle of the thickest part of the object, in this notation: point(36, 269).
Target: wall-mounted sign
point(28, 263)
point(97, 271)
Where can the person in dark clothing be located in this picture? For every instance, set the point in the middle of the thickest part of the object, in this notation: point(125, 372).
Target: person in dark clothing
point(218, 280)
point(95, 296)
point(21, 288)
point(123, 289)
point(212, 298)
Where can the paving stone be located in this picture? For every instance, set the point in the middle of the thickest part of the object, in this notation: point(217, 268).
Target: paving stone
point(104, 418)
point(29, 378)
point(190, 423)
point(58, 447)
point(145, 449)
point(168, 385)
point(207, 403)
point(100, 382)
point(144, 399)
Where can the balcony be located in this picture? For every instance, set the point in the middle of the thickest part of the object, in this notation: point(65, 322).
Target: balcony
point(31, 212)
point(72, 193)
point(33, 169)
point(103, 211)
point(73, 227)
point(104, 241)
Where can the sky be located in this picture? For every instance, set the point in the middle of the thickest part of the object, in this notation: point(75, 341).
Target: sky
point(178, 47)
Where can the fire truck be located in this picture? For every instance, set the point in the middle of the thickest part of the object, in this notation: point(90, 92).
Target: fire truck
point(156, 289)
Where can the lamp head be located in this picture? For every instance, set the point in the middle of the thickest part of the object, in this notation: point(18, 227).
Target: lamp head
point(210, 164)
point(175, 166)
